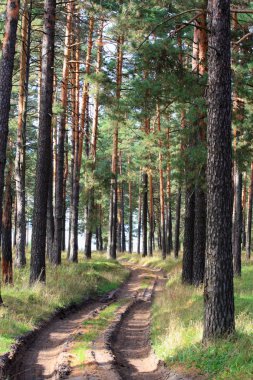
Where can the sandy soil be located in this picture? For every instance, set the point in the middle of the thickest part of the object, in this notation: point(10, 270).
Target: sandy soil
point(129, 354)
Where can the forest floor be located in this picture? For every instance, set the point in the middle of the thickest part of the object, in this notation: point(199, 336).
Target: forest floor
point(25, 307)
point(107, 339)
point(131, 333)
point(177, 329)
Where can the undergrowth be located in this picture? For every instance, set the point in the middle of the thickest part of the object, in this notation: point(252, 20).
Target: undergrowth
point(69, 283)
point(155, 262)
point(177, 326)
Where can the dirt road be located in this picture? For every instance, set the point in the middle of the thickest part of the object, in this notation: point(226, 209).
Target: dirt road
point(122, 352)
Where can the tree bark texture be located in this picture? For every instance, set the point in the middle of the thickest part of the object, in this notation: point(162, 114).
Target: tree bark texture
point(59, 180)
point(112, 239)
point(218, 289)
point(6, 71)
point(237, 222)
point(7, 271)
point(199, 236)
point(249, 216)
point(38, 265)
point(187, 270)
point(145, 215)
point(21, 136)
point(177, 224)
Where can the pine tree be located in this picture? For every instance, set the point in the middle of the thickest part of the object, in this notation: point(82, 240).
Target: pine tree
point(6, 71)
point(38, 264)
point(218, 294)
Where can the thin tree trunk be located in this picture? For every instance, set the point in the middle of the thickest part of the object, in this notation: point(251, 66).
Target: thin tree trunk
point(63, 238)
point(151, 214)
point(219, 291)
point(177, 224)
point(6, 71)
point(21, 134)
point(244, 209)
point(200, 196)
point(169, 237)
point(112, 241)
point(89, 221)
point(86, 90)
point(187, 271)
point(237, 222)
point(38, 265)
point(119, 210)
point(7, 271)
point(123, 232)
point(101, 245)
point(79, 149)
point(59, 179)
point(139, 225)
point(199, 236)
point(130, 236)
point(93, 146)
point(50, 216)
point(145, 215)
point(161, 190)
point(15, 224)
point(76, 164)
point(249, 216)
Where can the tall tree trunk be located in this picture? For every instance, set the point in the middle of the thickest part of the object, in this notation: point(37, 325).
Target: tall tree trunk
point(161, 190)
point(244, 209)
point(177, 224)
point(169, 237)
point(101, 245)
point(238, 106)
point(237, 222)
point(86, 90)
point(89, 221)
point(199, 236)
point(130, 235)
point(187, 271)
point(66, 173)
point(21, 134)
point(145, 215)
point(73, 255)
point(6, 70)
point(7, 273)
point(119, 210)
point(200, 196)
point(139, 225)
point(112, 241)
point(50, 217)
point(123, 232)
point(15, 223)
point(76, 155)
point(59, 180)
point(93, 144)
point(151, 214)
point(249, 216)
point(38, 265)
point(219, 292)
point(85, 131)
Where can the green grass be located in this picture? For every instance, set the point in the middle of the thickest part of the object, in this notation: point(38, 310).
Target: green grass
point(155, 262)
point(92, 328)
point(26, 306)
point(177, 326)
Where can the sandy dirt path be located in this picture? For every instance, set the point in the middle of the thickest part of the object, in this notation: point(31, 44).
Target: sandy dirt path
point(129, 355)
